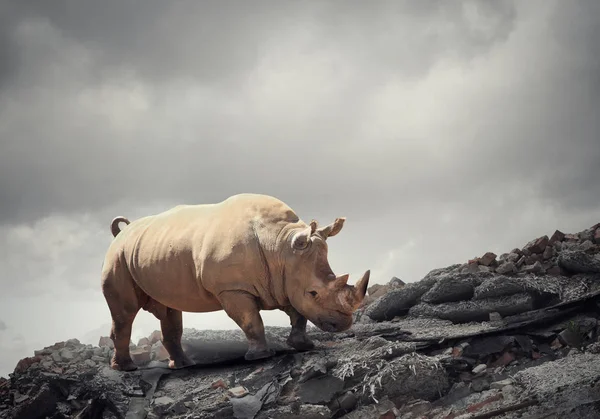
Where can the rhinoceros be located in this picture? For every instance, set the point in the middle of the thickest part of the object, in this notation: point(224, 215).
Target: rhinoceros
point(247, 253)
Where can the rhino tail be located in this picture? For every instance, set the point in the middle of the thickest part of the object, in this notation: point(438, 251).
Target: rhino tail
point(114, 225)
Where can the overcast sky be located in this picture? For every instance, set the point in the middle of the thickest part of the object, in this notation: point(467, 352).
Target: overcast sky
point(440, 129)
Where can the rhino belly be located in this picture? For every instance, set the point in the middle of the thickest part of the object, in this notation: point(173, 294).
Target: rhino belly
point(172, 282)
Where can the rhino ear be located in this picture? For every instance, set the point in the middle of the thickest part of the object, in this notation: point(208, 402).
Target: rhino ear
point(301, 239)
point(333, 228)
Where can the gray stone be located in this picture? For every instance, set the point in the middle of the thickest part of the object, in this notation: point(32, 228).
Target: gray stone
point(586, 246)
point(320, 389)
point(498, 286)
point(480, 384)
point(452, 287)
point(579, 262)
point(89, 363)
point(398, 300)
point(501, 384)
point(396, 282)
point(479, 369)
point(506, 268)
point(535, 268)
point(475, 310)
point(163, 401)
point(513, 257)
point(548, 253)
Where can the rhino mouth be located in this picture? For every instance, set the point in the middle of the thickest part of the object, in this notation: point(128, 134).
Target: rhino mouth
point(337, 325)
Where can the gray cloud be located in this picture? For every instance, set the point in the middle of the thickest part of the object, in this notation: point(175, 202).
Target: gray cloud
point(82, 152)
point(440, 129)
point(2, 325)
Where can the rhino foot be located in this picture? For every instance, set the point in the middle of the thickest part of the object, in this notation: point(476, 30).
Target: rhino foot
point(253, 354)
point(123, 365)
point(180, 363)
point(300, 342)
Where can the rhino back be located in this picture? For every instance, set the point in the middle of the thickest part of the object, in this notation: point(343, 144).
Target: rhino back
point(206, 249)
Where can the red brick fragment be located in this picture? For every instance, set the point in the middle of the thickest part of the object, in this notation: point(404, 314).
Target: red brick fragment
point(388, 415)
point(219, 384)
point(505, 359)
point(538, 245)
point(487, 259)
point(24, 364)
point(558, 236)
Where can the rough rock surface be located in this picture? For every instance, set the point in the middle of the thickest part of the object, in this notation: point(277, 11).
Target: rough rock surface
point(467, 341)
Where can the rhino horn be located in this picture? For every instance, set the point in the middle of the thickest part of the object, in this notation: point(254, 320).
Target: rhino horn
point(333, 228)
point(361, 286)
point(340, 281)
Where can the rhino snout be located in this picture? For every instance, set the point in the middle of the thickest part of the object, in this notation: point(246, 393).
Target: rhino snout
point(330, 324)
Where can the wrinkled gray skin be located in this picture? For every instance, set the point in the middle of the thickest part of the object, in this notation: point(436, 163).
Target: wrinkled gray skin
point(245, 254)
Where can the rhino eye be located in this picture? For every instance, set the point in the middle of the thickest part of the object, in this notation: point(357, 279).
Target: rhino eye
point(313, 293)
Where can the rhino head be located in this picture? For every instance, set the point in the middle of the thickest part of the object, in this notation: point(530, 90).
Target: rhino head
point(313, 289)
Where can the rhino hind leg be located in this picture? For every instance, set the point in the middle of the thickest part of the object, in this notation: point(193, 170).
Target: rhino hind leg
point(243, 309)
point(172, 330)
point(298, 338)
point(122, 298)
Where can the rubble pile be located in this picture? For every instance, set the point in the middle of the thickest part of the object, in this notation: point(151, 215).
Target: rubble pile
point(544, 272)
point(467, 341)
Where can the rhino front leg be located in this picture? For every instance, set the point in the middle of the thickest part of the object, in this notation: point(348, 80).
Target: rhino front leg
point(243, 309)
point(297, 338)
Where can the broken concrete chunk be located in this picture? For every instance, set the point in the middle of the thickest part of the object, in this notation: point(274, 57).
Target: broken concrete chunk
point(535, 268)
point(106, 341)
point(586, 246)
point(479, 369)
point(66, 355)
point(144, 342)
point(501, 384)
point(506, 268)
point(238, 391)
point(163, 401)
point(487, 259)
point(154, 337)
point(396, 282)
point(140, 356)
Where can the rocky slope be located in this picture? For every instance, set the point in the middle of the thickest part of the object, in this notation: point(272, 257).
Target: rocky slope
point(496, 337)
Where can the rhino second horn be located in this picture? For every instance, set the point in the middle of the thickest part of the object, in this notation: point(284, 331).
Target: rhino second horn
point(341, 280)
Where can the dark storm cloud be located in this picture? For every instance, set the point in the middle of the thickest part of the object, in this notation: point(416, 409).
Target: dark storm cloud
point(61, 155)
point(214, 40)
